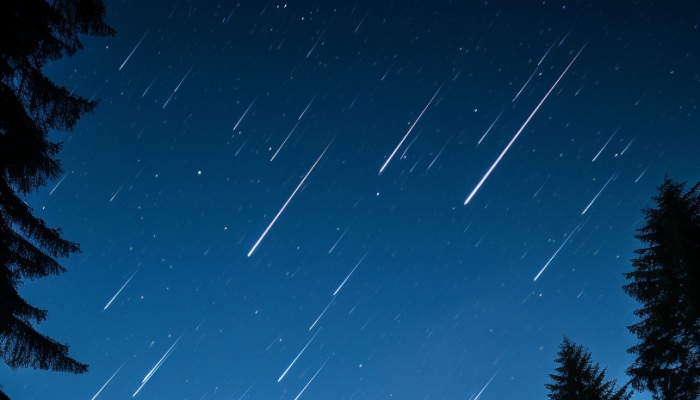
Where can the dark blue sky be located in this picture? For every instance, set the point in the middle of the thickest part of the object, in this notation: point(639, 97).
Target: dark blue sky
point(162, 192)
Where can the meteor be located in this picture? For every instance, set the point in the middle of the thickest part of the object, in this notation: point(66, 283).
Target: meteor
point(155, 368)
point(64, 177)
point(120, 290)
point(250, 253)
point(311, 380)
point(438, 154)
point(489, 130)
point(108, 380)
point(336, 243)
point(244, 113)
point(485, 386)
point(295, 358)
point(132, 51)
point(409, 131)
point(183, 79)
point(307, 107)
point(481, 182)
point(606, 143)
point(348, 277)
point(323, 312)
point(596, 196)
point(556, 252)
point(149, 86)
point(285, 140)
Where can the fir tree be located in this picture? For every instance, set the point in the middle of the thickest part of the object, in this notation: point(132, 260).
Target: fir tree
point(578, 379)
point(33, 33)
point(666, 281)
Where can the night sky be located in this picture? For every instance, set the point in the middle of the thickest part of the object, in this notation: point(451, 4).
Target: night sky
point(239, 241)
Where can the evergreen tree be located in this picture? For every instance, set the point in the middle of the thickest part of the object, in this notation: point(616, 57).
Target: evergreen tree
point(34, 32)
point(579, 379)
point(666, 280)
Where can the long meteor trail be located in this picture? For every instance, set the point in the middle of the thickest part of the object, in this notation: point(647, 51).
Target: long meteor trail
point(606, 143)
point(407, 133)
point(311, 380)
point(108, 380)
point(120, 290)
point(556, 252)
point(155, 368)
point(132, 51)
point(596, 196)
point(255, 246)
point(298, 355)
point(481, 182)
point(489, 130)
point(244, 113)
point(485, 386)
point(348, 277)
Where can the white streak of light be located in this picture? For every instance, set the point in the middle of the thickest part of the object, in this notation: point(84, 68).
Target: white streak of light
point(295, 358)
point(336, 243)
point(640, 175)
point(120, 290)
point(606, 143)
point(438, 154)
point(484, 388)
point(183, 79)
point(489, 130)
point(106, 383)
point(323, 312)
point(523, 88)
point(407, 133)
point(244, 113)
point(115, 194)
point(288, 200)
point(285, 140)
point(520, 130)
point(628, 145)
point(132, 51)
point(361, 21)
point(311, 380)
point(556, 252)
point(348, 277)
point(314, 46)
point(149, 86)
point(307, 107)
point(241, 148)
point(596, 196)
point(59, 182)
point(155, 368)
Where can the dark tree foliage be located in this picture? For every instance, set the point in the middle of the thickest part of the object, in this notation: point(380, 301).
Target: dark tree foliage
point(578, 379)
point(32, 33)
point(666, 280)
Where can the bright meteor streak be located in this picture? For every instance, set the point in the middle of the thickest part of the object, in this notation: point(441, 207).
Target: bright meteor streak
point(407, 133)
point(120, 290)
point(348, 277)
point(108, 380)
point(298, 355)
point(255, 246)
point(244, 113)
point(132, 51)
point(485, 386)
point(555, 253)
point(155, 368)
point(481, 182)
point(596, 196)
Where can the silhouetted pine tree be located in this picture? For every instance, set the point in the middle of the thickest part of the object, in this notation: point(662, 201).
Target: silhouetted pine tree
point(32, 33)
point(666, 281)
point(579, 379)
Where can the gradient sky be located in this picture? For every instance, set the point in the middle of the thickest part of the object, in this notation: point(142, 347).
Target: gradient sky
point(167, 199)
